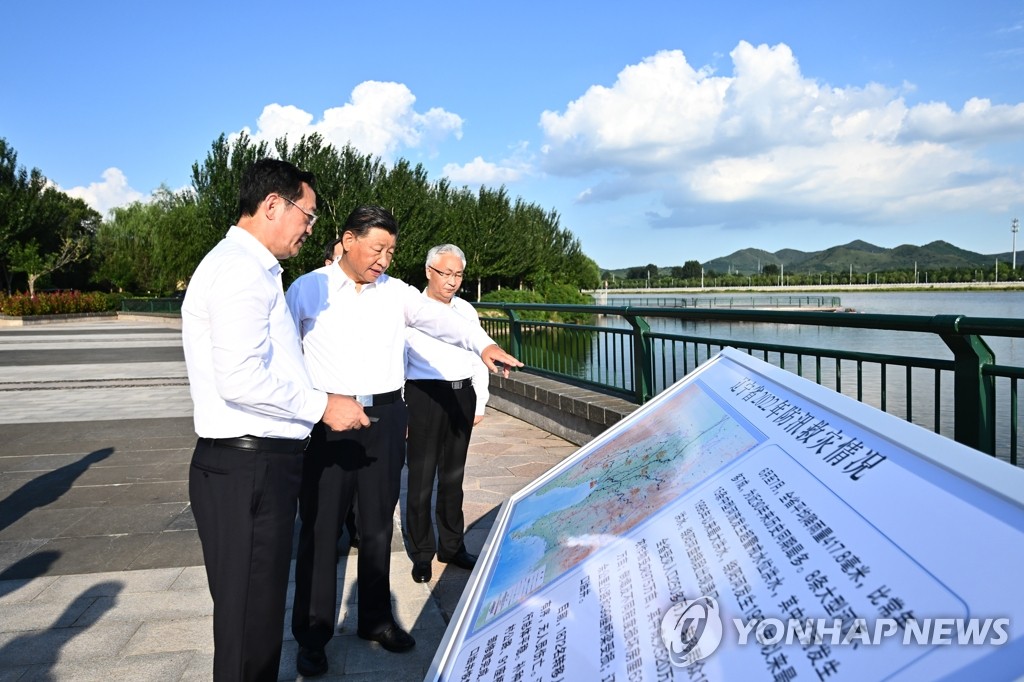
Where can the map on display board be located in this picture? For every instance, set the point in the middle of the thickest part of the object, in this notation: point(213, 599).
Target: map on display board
point(747, 524)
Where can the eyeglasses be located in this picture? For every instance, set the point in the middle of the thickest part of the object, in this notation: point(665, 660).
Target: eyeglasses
point(455, 276)
point(311, 218)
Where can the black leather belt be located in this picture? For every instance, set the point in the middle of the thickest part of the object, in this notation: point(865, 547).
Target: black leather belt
point(259, 444)
point(454, 385)
point(379, 398)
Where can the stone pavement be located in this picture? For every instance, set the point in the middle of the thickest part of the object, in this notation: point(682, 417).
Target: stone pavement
point(101, 572)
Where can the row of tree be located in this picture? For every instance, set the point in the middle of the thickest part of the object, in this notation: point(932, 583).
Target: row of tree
point(153, 247)
point(42, 230)
point(691, 269)
point(691, 275)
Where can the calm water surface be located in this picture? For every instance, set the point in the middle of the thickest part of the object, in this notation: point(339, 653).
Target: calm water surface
point(890, 394)
point(996, 304)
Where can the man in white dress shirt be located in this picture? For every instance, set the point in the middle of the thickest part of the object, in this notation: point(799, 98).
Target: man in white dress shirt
point(446, 390)
point(254, 408)
point(352, 320)
point(332, 254)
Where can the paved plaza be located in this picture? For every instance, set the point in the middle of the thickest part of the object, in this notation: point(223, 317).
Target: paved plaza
point(101, 572)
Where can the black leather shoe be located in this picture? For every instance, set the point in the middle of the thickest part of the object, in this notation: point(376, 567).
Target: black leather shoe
point(394, 639)
point(311, 662)
point(421, 572)
point(463, 560)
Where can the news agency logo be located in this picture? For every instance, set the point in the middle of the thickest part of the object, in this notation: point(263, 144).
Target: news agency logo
point(691, 630)
point(861, 632)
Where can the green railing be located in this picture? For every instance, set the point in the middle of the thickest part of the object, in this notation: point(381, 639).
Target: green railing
point(812, 302)
point(151, 305)
point(965, 395)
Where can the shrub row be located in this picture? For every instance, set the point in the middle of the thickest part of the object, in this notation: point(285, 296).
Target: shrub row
point(551, 293)
point(59, 303)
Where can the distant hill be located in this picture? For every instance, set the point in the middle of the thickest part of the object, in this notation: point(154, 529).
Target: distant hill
point(864, 257)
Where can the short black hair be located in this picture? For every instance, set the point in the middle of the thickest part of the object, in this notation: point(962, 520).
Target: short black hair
point(270, 176)
point(364, 218)
point(329, 248)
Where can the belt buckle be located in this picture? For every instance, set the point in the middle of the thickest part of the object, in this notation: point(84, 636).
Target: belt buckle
point(364, 400)
point(456, 385)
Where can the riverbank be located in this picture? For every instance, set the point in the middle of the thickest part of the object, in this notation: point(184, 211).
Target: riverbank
point(822, 289)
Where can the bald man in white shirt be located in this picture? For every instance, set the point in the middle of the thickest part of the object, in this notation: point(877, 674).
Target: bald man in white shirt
point(352, 319)
point(254, 409)
point(446, 390)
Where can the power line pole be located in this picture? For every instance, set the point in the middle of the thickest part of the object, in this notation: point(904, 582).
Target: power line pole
point(1014, 226)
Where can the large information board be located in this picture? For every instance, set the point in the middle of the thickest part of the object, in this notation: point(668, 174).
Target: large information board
point(750, 525)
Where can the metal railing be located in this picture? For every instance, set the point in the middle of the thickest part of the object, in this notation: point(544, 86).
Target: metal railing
point(151, 305)
point(635, 362)
point(811, 302)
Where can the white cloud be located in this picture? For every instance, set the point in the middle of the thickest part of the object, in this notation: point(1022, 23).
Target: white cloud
point(480, 172)
point(379, 119)
point(767, 141)
point(977, 119)
point(655, 109)
point(113, 191)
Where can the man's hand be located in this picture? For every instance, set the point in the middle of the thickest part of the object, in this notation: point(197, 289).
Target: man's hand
point(477, 419)
point(494, 354)
point(344, 413)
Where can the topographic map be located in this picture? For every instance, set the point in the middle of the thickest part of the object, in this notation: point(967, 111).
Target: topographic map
point(609, 491)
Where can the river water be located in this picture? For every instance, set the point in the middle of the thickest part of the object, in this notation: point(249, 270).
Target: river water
point(919, 404)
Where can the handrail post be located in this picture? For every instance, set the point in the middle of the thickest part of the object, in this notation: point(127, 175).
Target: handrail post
point(974, 394)
point(643, 372)
point(515, 334)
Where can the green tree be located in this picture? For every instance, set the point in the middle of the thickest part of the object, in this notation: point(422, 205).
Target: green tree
point(20, 192)
point(28, 259)
point(124, 248)
point(636, 273)
point(692, 269)
point(58, 232)
point(148, 247)
point(215, 183)
point(180, 229)
point(406, 191)
point(507, 243)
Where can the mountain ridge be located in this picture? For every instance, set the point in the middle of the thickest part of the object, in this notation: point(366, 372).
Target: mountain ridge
point(862, 256)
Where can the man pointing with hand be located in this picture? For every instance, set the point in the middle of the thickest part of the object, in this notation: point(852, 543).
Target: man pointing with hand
point(254, 408)
point(352, 320)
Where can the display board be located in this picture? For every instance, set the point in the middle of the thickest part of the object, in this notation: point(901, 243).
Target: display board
point(748, 524)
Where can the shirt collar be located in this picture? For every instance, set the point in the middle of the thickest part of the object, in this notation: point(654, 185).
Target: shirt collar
point(339, 280)
point(449, 303)
point(253, 246)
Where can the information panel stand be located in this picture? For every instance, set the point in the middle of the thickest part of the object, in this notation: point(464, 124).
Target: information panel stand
point(748, 524)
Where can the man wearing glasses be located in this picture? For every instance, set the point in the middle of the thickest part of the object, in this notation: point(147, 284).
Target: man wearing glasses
point(352, 320)
point(446, 390)
point(254, 409)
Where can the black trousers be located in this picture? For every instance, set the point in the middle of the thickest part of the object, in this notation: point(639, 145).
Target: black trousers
point(244, 506)
point(440, 426)
point(369, 461)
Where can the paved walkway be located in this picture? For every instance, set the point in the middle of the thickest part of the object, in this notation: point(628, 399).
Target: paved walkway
point(101, 572)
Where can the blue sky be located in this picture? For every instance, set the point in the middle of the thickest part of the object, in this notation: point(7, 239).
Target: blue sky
point(661, 131)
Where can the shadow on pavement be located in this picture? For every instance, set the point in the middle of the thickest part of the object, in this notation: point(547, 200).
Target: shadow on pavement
point(47, 488)
point(25, 569)
point(40, 649)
